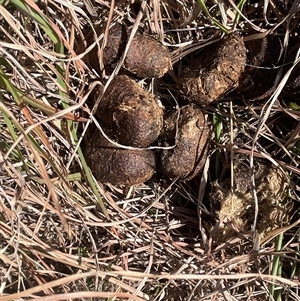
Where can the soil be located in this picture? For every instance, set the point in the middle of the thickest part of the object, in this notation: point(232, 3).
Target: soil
point(293, 85)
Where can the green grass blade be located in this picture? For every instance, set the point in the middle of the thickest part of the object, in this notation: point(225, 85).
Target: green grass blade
point(39, 18)
point(276, 269)
point(218, 129)
point(214, 20)
point(60, 49)
point(203, 7)
point(240, 6)
point(17, 154)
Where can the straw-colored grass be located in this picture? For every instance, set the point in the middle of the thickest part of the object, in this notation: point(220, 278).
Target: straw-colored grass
point(65, 236)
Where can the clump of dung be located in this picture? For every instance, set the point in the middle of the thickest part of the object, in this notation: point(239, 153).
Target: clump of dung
point(132, 114)
point(187, 158)
point(146, 57)
point(118, 166)
point(257, 82)
point(235, 210)
point(115, 45)
point(216, 71)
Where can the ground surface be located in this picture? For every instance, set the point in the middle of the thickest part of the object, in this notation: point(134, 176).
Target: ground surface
point(230, 233)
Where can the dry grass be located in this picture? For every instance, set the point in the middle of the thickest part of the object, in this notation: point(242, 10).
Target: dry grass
point(63, 235)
